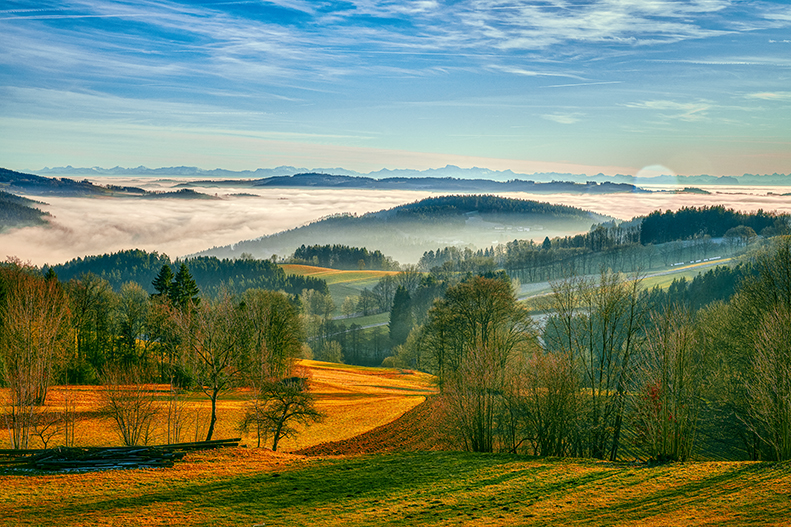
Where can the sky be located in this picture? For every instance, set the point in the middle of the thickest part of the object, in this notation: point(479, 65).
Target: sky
point(581, 86)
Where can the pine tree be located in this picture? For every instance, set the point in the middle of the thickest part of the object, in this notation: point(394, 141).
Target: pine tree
point(401, 319)
point(184, 289)
point(163, 282)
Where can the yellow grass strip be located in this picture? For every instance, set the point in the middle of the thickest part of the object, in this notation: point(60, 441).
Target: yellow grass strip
point(335, 276)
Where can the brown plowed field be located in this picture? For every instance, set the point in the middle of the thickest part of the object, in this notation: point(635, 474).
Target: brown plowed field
point(419, 429)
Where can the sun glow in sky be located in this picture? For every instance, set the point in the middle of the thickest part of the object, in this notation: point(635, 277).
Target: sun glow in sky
point(581, 86)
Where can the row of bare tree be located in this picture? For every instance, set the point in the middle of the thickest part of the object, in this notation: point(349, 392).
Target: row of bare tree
point(607, 377)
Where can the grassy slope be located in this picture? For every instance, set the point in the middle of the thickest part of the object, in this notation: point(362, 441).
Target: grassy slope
point(246, 487)
point(335, 276)
point(341, 283)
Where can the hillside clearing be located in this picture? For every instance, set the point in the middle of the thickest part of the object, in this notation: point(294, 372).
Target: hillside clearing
point(336, 276)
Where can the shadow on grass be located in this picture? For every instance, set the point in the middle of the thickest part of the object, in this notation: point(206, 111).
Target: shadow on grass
point(715, 495)
point(410, 488)
point(336, 484)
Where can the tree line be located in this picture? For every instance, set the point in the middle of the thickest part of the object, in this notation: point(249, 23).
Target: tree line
point(344, 257)
point(456, 205)
point(714, 221)
point(211, 274)
point(611, 373)
point(82, 331)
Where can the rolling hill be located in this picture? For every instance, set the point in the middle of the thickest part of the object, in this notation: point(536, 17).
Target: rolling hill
point(46, 186)
point(16, 211)
point(437, 184)
point(407, 231)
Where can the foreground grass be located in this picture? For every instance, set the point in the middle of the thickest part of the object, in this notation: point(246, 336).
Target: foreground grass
point(247, 487)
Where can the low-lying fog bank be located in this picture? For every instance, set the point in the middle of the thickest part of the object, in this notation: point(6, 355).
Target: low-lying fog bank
point(177, 227)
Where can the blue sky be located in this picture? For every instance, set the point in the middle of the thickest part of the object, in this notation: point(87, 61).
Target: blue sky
point(573, 86)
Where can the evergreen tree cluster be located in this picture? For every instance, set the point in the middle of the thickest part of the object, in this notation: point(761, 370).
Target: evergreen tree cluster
point(715, 221)
point(344, 257)
point(180, 289)
point(211, 274)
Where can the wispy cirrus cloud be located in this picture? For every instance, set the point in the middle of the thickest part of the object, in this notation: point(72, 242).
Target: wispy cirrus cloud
point(563, 118)
point(370, 70)
point(771, 96)
point(684, 111)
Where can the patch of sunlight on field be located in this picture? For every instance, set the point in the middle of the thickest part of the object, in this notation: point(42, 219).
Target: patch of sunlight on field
point(350, 417)
point(340, 283)
point(664, 279)
point(336, 276)
point(355, 399)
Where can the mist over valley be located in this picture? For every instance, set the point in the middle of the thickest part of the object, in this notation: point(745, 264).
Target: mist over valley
point(176, 224)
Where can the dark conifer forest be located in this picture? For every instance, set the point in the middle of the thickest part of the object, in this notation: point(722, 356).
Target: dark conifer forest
point(211, 274)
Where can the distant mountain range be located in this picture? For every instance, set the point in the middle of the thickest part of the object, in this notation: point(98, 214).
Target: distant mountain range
point(449, 171)
point(407, 231)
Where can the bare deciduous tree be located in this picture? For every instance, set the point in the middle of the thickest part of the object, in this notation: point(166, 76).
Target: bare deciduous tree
point(279, 406)
point(769, 389)
point(33, 339)
point(668, 385)
point(599, 324)
point(549, 404)
point(214, 339)
point(473, 335)
point(129, 403)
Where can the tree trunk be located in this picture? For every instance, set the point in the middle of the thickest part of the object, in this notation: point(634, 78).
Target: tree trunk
point(213, 419)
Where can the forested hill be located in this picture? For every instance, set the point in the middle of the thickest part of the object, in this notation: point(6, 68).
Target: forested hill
point(344, 257)
point(439, 184)
point(716, 221)
point(16, 211)
point(38, 185)
point(211, 274)
point(455, 205)
point(406, 232)
point(46, 186)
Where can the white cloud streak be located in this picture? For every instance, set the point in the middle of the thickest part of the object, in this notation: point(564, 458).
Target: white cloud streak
point(771, 96)
point(562, 118)
point(689, 111)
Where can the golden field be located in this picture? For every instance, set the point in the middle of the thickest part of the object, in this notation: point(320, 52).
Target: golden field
point(251, 486)
point(354, 399)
